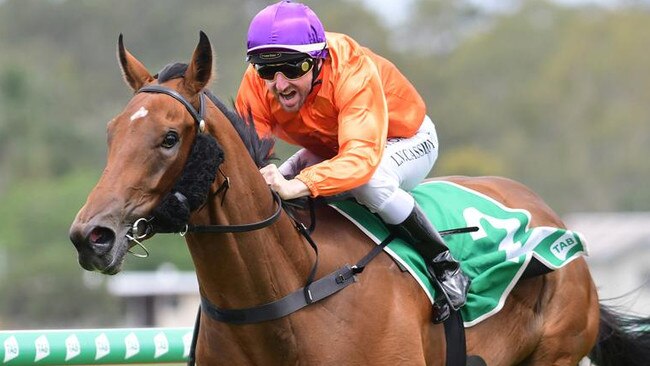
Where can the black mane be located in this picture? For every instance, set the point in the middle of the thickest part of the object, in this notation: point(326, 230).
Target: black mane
point(259, 148)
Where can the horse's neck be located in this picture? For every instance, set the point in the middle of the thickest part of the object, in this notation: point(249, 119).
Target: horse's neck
point(245, 269)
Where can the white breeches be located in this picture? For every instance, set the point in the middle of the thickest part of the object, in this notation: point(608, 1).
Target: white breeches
point(404, 164)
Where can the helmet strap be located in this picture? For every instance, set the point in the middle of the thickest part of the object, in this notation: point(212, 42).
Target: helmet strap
point(315, 72)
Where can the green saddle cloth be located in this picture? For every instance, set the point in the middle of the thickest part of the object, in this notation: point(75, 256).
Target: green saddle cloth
point(494, 257)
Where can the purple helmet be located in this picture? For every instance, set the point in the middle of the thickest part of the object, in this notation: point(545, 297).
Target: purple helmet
point(283, 31)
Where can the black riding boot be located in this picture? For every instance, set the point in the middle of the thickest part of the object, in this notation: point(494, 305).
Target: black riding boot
point(443, 268)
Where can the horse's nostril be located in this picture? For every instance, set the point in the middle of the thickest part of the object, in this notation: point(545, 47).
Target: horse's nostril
point(101, 235)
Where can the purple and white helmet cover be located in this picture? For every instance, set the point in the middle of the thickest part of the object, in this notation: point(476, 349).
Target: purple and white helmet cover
point(286, 27)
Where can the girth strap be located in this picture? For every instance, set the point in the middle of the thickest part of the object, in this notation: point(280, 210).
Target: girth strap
point(320, 289)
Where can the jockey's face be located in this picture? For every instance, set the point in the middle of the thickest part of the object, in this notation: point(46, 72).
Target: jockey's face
point(291, 93)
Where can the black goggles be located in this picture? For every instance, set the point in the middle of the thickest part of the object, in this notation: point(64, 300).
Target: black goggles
point(291, 69)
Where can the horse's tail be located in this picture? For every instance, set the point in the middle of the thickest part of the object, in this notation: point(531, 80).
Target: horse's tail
point(622, 340)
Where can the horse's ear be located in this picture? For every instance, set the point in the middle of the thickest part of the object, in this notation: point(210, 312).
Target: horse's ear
point(135, 74)
point(199, 72)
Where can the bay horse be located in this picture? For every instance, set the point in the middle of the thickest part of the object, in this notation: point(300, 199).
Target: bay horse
point(384, 318)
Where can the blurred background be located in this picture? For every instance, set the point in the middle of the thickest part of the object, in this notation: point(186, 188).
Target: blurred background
point(555, 94)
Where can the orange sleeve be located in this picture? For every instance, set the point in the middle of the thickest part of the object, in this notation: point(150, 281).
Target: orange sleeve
point(362, 130)
point(250, 102)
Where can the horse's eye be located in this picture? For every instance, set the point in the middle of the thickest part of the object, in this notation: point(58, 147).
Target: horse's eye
point(171, 138)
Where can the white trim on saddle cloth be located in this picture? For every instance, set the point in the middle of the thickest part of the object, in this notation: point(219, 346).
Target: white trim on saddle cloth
point(494, 257)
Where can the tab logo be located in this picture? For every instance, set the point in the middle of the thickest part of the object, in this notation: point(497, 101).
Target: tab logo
point(132, 345)
point(72, 347)
point(11, 349)
point(42, 346)
point(563, 245)
point(161, 344)
point(102, 346)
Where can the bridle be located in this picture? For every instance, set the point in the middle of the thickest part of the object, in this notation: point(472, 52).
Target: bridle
point(143, 228)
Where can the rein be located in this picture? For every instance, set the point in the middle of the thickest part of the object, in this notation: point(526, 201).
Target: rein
point(243, 227)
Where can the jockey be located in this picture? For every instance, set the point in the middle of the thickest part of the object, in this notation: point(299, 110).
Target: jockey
point(362, 127)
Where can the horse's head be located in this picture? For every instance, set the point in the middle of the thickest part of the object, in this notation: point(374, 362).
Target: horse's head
point(148, 145)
